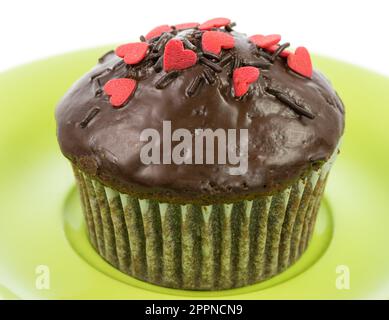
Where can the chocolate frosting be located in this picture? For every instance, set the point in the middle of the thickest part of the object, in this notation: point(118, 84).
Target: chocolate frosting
point(104, 141)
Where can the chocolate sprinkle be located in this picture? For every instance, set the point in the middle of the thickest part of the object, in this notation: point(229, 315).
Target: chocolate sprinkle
point(165, 80)
point(272, 91)
point(257, 64)
point(226, 59)
point(209, 76)
point(198, 35)
point(102, 58)
point(279, 51)
point(158, 65)
point(265, 55)
point(97, 75)
point(142, 38)
point(189, 44)
point(236, 63)
point(98, 92)
point(153, 40)
point(283, 97)
point(195, 86)
point(89, 116)
point(211, 55)
point(161, 42)
point(118, 64)
point(228, 27)
point(153, 56)
point(215, 67)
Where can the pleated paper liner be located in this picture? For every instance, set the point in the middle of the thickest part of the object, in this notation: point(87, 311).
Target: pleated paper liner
point(202, 247)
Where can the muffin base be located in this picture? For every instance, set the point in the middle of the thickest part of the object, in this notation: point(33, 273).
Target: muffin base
point(202, 247)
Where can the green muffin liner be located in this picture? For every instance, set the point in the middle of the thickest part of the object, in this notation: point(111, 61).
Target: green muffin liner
point(202, 247)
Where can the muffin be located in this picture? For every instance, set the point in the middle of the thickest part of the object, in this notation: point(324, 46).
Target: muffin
point(234, 210)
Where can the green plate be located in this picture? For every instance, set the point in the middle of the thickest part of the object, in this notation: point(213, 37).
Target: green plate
point(44, 253)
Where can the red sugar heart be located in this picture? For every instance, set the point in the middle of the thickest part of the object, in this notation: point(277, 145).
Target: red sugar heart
point(300, 62)
point(119, 90)
point(285, 53)
point(176, 57)
point(157, 31)
point(214, 23)
point(265, 41)
point(132, 53)
point(215, 41)
point(188, 25)
point(242, 78)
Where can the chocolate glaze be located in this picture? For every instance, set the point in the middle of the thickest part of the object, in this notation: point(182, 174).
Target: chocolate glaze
point(283, 145)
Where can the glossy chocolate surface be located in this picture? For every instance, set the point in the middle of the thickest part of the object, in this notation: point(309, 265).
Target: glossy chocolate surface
point(105, 142)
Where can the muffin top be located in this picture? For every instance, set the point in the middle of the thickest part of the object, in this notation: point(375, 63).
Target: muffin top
point(179, 81)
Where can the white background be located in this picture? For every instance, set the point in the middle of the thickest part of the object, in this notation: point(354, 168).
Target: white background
point(354, 31)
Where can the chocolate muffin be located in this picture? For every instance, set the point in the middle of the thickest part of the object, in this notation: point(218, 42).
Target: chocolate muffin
point(201, 154)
